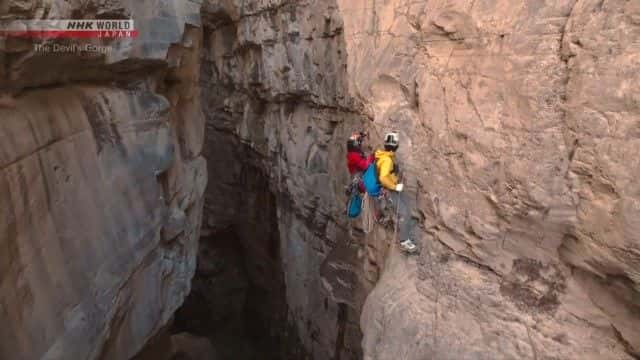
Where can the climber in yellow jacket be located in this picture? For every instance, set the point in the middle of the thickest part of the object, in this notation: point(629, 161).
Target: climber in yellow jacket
point(388, 176)
point(385, 163)
point(385, 166)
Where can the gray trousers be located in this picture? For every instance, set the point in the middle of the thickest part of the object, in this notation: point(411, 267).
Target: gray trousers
point(401, 204)
point(406, 222)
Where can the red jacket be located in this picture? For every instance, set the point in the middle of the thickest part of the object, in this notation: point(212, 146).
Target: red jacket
point(357, 162)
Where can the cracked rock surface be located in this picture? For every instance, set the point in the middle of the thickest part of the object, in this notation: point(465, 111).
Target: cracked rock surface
point(102, 184)
point(519, 130)
point(518, 119)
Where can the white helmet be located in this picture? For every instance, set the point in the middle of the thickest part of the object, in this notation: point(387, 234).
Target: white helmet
point(391, 141)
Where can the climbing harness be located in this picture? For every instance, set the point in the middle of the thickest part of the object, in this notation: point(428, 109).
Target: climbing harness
point(383, 212)
point(353, 185)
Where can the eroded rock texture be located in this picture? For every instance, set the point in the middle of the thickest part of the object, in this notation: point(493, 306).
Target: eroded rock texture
point(102, 184)
point(519, 121)
point(275, 97)
point(519, 126)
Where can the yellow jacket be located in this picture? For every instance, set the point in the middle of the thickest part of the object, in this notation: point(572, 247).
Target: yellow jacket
point(384, 165)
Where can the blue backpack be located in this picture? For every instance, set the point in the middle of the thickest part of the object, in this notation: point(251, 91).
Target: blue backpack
point(371, 182)
point(354, 205)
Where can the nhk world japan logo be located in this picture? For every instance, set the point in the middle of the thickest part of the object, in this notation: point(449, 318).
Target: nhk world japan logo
point(69, 29)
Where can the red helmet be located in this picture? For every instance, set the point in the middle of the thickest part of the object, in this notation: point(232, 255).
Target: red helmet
point(355, 141)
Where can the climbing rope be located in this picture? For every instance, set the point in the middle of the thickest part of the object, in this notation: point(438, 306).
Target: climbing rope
point(395, 222)
point(368, 218)
point(397, 204)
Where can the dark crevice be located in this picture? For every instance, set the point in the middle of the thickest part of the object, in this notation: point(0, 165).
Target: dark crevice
point(238, 298)
point(240, 316)
point(342, 320)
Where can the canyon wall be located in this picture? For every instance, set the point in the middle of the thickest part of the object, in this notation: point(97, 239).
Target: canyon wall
point(275, 98)
point(518, 123)
point(102, 158)
point(102, 183)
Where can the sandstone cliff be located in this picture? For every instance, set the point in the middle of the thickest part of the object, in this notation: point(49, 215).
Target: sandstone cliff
point(102, 184)
point(518, 121)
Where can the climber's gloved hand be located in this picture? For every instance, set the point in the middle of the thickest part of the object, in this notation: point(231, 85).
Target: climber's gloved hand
point(399, 187)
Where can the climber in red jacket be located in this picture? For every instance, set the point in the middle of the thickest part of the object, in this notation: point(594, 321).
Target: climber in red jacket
point(357, 162)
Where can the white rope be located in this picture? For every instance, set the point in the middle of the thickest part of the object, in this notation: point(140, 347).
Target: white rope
point(368, 219)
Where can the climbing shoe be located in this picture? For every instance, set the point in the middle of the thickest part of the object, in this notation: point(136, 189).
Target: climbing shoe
point(408, 246)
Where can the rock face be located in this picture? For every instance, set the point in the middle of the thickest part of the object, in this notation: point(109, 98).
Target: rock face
point(275, 98)
point(182, 346)
point(102, 184)
point(519, 124)
point(519, 127)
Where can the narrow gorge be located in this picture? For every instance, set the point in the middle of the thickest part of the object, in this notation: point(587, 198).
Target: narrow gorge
point(181, 194)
